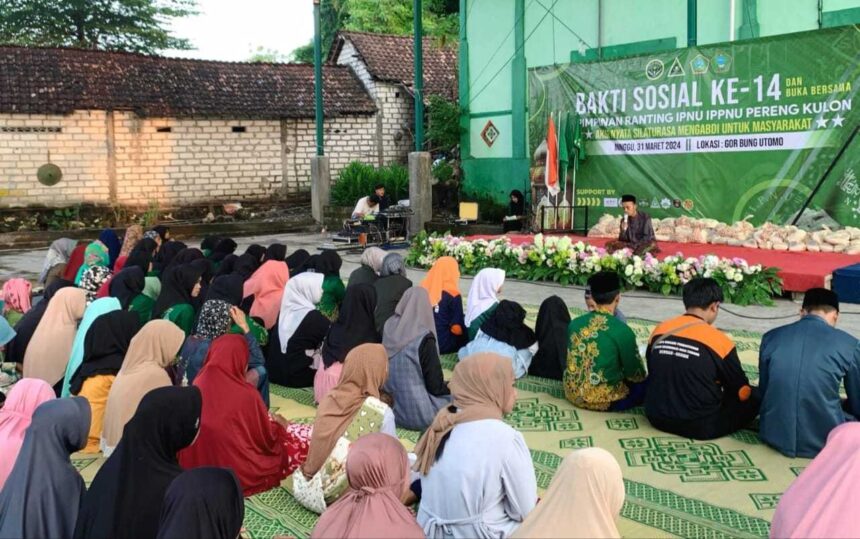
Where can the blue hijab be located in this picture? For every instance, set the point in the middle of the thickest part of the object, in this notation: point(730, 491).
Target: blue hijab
point(95, 309)
point(112, 242)
point(6, 331)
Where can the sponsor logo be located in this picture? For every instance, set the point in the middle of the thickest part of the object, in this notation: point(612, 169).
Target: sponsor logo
point(676, 203)
point(699, 65)
point(677, 70)
point(721, 62)
point(654, 69)
point(610, 202)
point(665, 203)
point(490, 133)
point(688, 204)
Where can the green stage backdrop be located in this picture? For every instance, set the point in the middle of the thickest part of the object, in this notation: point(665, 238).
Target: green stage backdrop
point(723, 131)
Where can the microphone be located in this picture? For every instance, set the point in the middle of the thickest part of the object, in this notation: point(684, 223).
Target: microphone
point(624, 220)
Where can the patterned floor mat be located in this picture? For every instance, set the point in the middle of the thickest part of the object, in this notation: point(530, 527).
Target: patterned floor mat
point(675, 486)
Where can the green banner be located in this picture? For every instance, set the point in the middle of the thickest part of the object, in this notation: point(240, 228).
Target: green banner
point(759, 128)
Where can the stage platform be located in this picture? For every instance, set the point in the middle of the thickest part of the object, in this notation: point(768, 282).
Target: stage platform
point(799, 271)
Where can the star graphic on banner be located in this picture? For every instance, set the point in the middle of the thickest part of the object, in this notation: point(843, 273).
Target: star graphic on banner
point(589, 134)
point(821, 122)
point(837, 120)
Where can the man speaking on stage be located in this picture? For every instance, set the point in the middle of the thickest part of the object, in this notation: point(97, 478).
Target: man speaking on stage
point(637, 232)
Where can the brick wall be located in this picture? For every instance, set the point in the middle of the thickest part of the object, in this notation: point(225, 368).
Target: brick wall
point(172, 161)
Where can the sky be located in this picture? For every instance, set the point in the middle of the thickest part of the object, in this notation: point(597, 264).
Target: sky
point(232, 29)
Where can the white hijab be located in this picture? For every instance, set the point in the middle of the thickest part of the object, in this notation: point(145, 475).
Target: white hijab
point(301, 296)
point(482, 295)
point(583, 500)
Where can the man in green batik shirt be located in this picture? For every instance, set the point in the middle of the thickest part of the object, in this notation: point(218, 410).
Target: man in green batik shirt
point(604, 369)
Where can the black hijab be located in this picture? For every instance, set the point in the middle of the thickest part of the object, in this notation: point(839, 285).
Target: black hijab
point(166, 255)
point(127, 494)
point(518, 207)
point(276, 251)
point(223, 248)
point(105, 346)
point(176, 286)
point(507, 324)
point(142, 255)
point(209, 243)
point(296, 261)
point(246, 265)
point(126, 285)
point(203, 502)
point(162, 232)
point(257, 251)
point(551, 329)
point(354, 325)
point(226, 266)
point(26, 326)
point(227, 288)
point(185, 256)
point(327, 263)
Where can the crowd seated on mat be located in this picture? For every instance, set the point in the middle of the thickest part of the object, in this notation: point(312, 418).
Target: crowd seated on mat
point(176, 398)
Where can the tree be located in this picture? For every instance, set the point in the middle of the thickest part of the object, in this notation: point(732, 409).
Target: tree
point(263, 55)
point(381, 16)
point(120, 25)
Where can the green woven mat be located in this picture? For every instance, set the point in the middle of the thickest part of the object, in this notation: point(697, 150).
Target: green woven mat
point(675, 486)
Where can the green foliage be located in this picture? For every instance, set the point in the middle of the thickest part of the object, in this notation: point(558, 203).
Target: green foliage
point(440, 20)
point(122, 25)
point(443, 130)
point(150, 216)
point(443, 172)
point(357, 180)
point(264, 55)
point(59, 219)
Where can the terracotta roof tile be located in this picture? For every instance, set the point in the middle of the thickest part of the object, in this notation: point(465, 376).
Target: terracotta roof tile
point(389, 58)
point(60, 80)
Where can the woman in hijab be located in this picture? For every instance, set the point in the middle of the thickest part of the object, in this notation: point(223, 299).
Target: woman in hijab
point(76, 260)
point(142, 255)
point(204, 503)
point(298, 336)
point(216, 319)
point(163, 232)
point(92, 280)
point(95, 309)
point(371, 266)
point(133, 235)
point(127, 287)
point(415, 379)
point(208, 245)
point(239, 432)
point(110, 240)
point(26, 327)
point(443, 287)
point(296, 261)
point(390, 287)
point(58, 256)
point(95, 255)
point(584, 499)
point(257, 251)
point(378, 470)
point(43, 492)
point(354, 326)
point(483, 298)
point(179, 286)
point(513, 221)
point(469, 445)
point(185, 256)
point(550, 361)
point(506, 334)
point(165, 255)
point(329, 263)
point(266, 286)
point(51, 345)
point(223, 248)
point(15, 416)
point(352, 409)
point(821, 502)
point(150, 352)
point(6, 335)
point(16, 299)
point(226, 266)
point(105, 346)
point(245, 266)
point(127, 494)
point(276, 252)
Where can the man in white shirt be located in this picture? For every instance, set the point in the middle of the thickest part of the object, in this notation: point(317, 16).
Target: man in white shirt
point(368, 205)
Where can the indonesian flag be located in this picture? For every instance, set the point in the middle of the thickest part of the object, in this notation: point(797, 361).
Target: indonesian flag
point(551, 171)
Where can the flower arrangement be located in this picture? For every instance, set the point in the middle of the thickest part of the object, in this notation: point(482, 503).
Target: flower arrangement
point(557, 258)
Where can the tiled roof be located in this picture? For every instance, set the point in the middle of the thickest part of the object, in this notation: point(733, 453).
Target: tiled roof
point(60, 80)
point(389, 58)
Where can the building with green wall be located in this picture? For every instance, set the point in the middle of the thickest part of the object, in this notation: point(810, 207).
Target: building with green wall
point(501, 39)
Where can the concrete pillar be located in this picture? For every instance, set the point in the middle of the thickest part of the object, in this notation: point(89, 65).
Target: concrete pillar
point(320, 186)
point(420, 192)
point(110, 143)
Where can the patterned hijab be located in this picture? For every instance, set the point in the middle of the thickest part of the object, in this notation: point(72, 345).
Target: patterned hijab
point(214, 319)
point(133, 234)
point(16, 295)
point(92, 279)
point(96, 254)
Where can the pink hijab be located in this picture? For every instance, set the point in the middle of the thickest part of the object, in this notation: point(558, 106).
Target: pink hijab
point(267, 286)
point(822, 501)
point(378, 473)
point(16, 294)
point(15, 417)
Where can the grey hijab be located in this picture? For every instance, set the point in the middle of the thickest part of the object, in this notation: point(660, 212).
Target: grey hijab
point(392, 264)
point(372, 257)
point(413, 318)
point(43, 493)
point(58, 253)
